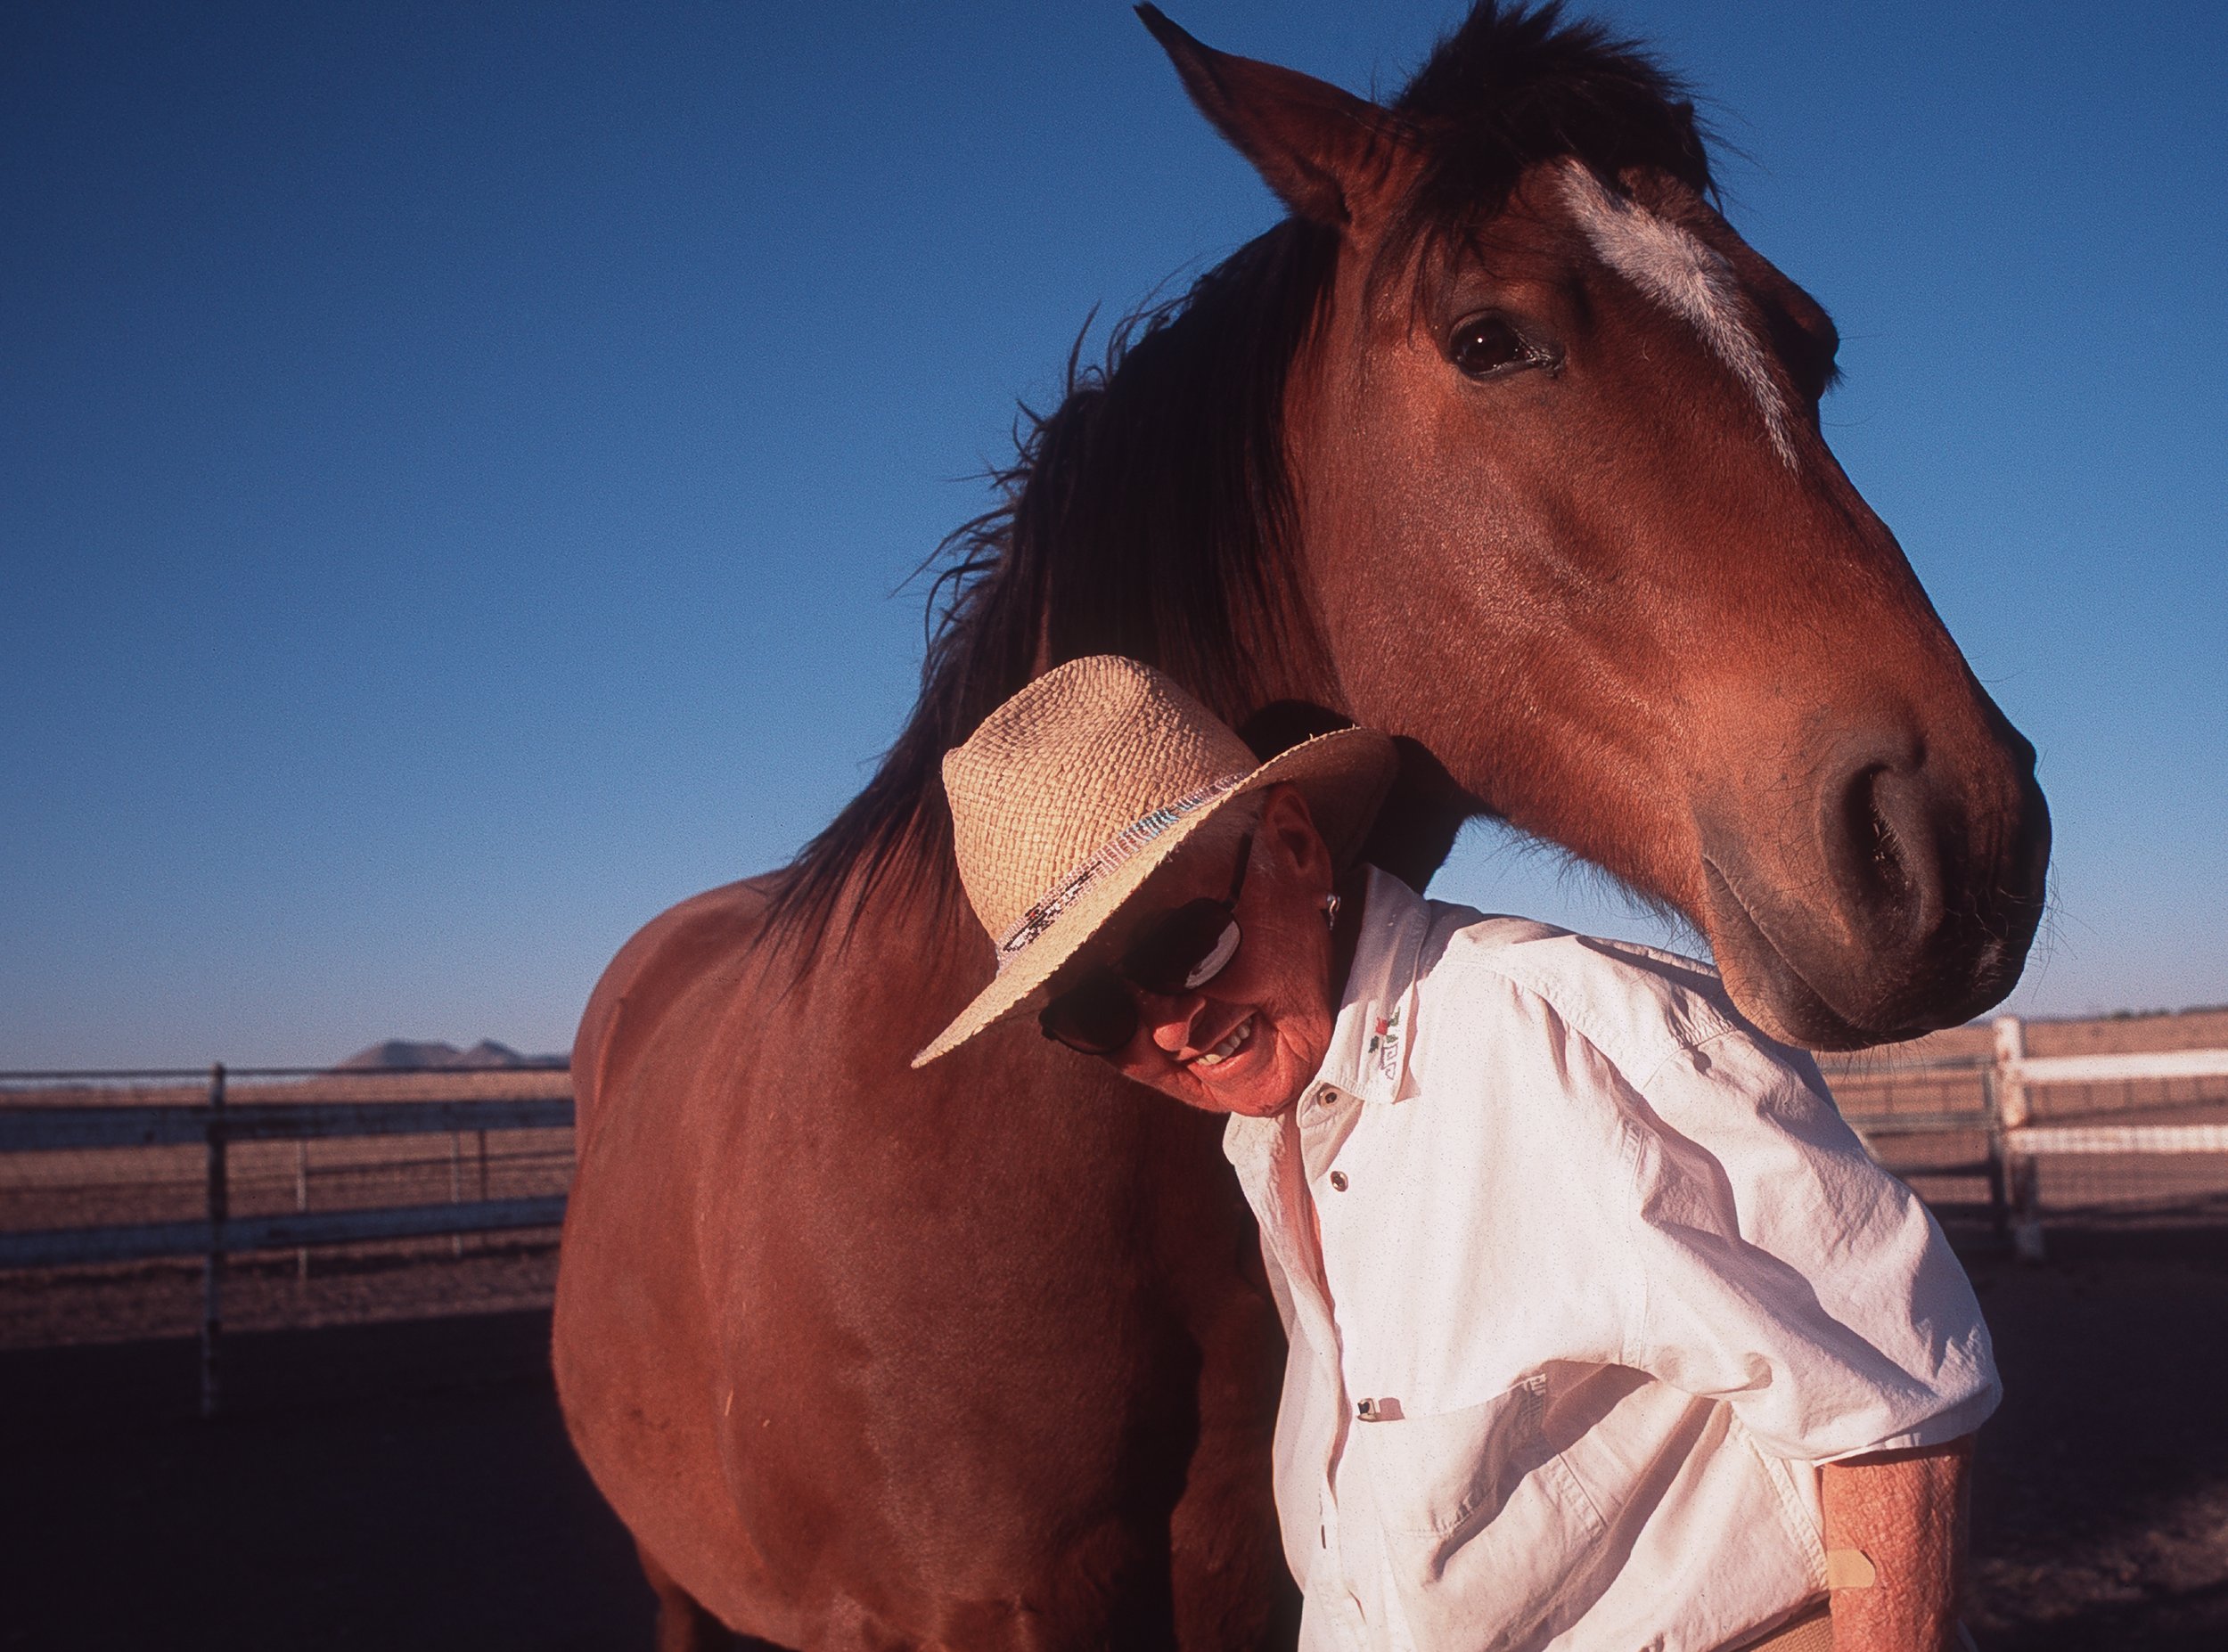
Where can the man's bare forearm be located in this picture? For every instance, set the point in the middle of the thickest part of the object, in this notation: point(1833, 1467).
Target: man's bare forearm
point(1904, 1513)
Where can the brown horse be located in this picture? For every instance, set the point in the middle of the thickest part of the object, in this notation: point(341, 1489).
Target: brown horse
point(1504, 441)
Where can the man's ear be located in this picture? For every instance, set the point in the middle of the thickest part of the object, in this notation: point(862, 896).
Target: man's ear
point(1289, 825)
point(1326, 152)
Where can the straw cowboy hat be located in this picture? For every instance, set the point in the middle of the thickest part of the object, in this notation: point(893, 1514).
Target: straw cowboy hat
point(1075, 790)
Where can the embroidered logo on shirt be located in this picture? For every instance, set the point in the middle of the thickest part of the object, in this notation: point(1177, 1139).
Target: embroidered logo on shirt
point(1384, 1042)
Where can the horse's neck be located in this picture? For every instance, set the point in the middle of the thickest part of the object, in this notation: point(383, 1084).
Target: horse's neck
point(912, 921)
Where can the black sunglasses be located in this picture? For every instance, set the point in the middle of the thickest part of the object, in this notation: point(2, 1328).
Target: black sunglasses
point(1180, 953)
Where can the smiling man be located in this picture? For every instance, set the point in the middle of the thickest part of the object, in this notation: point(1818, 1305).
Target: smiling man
point(1606, 1332)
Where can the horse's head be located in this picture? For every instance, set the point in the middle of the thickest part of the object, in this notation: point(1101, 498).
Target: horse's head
point(1568, 519)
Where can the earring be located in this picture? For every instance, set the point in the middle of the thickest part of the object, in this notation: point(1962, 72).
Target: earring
point(1331, 911)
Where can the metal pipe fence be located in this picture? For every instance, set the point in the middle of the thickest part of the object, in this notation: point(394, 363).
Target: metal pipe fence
point(89, 1147)
point(109, 1169)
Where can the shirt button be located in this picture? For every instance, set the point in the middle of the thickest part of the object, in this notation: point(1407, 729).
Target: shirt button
point(1337, 1180)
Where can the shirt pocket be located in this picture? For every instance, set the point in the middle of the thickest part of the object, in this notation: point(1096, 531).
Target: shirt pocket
point(1491, 1541)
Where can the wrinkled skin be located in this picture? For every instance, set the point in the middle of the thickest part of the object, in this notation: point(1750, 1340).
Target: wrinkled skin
point(1277, 997)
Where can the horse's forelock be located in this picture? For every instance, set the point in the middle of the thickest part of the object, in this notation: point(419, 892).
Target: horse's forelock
point(1516, 87)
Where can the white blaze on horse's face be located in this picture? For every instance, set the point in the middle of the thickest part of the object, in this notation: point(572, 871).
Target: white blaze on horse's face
point(1673, 268)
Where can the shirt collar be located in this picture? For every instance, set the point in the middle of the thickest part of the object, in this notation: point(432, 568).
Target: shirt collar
point(1368, 1055)
point(1374, 1027)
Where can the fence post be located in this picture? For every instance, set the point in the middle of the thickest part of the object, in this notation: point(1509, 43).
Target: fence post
point(456, 1185)
point(1999, 1207)
point(2013, 1111)
point(213, 1263)
point(301, 1203)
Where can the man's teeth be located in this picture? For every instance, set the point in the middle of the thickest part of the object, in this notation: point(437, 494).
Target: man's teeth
point(1229, 1046)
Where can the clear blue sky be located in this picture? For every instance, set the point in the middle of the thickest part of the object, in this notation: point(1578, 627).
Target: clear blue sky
point(456, 461)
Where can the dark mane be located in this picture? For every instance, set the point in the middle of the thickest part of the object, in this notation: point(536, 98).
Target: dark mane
point(1147, 516)
point(1150, 514)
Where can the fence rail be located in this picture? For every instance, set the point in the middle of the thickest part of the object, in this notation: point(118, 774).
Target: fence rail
point(50, 1129)
point(148, 1241)
point(2094, 1139)
point(2107, 1069)
point(217, 1124)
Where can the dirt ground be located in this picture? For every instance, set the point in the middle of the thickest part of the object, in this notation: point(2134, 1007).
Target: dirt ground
point(408, 1485)
point(2101, 1495)
point(150, 1301)
point(388, 1486)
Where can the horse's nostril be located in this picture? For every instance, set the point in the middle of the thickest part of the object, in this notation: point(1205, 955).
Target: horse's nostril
point(1888, 860)
point(1886, 850)
point(1879, 849)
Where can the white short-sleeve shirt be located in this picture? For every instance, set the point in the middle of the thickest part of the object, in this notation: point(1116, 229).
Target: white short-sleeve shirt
point(1607, 1278)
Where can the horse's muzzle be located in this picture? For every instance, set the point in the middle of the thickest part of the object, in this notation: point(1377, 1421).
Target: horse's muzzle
point(1906, 903)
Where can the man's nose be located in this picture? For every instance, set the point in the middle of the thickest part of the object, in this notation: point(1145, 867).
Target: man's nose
point(1170, 1018)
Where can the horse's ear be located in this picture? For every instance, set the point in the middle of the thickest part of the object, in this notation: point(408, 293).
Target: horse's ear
point(1319, 149)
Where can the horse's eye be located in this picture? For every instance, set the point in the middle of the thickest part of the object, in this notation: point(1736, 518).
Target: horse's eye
point(1487, 345)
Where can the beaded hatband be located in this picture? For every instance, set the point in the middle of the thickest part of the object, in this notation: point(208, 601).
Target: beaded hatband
point(1124, 846)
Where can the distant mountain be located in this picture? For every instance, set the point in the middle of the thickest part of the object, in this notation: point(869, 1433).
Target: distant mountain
point(487, 1052)
point(404, 1054)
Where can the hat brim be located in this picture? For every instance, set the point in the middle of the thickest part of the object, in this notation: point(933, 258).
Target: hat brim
point(1344, 776)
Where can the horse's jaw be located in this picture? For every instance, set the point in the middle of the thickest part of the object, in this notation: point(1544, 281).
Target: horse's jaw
point(1858, 969)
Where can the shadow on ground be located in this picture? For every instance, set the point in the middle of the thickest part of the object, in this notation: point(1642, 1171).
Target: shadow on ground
point(2101, 1496)
point(390, 1486)
point(410, 1485)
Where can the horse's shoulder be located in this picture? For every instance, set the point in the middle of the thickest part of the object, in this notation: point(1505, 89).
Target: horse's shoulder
point(656, 968)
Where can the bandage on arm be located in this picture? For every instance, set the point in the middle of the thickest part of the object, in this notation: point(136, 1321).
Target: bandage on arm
point(1898, 1518)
